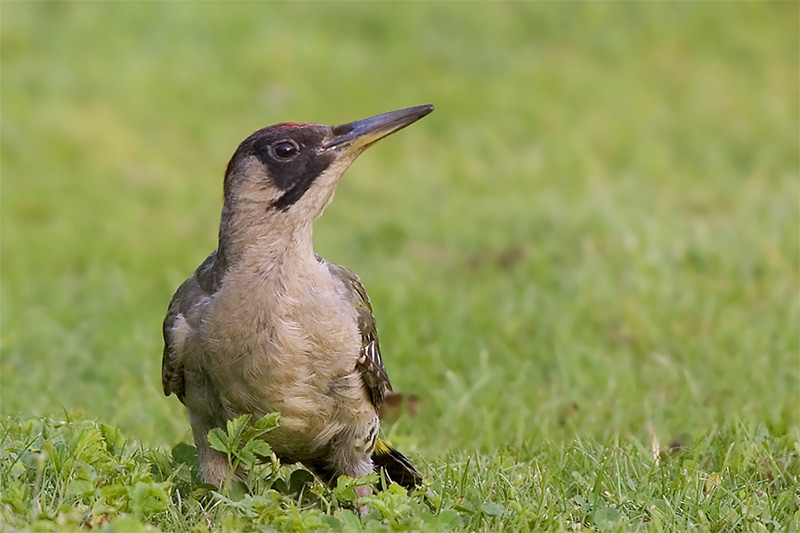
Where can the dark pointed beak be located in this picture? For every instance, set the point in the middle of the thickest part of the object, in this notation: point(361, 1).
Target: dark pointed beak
point(362, 133)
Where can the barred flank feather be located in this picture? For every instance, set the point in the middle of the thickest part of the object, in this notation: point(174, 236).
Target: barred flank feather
point(397, 467)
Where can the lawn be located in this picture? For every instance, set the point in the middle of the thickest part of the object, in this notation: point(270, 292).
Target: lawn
point(585, 263)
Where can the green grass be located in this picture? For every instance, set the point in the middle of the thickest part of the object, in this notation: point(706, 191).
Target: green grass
point(586, 257)
point(82, 473)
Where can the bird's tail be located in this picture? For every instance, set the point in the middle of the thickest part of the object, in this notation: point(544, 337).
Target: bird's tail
point(397, 467)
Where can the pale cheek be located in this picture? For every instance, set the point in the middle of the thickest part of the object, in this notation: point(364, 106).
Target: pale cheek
point(321, 192)
point(257, 192)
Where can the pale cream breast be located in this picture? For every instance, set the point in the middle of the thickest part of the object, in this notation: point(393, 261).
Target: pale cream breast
point(291, 347)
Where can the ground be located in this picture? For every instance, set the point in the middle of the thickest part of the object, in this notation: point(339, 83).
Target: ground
point(584, 263)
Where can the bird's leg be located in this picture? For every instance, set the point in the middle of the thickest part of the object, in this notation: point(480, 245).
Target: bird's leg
point(349, 458)
point(362, 491)
point(213, 464)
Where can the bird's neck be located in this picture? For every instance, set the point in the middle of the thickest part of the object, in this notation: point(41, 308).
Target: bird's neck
point(274, 247)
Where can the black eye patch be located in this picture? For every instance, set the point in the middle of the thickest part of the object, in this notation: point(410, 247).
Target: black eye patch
point(293, 160)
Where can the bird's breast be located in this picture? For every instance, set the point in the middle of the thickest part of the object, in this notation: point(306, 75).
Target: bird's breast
point(279, 346)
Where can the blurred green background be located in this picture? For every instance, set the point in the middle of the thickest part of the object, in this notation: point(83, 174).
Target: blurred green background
point(596, 232)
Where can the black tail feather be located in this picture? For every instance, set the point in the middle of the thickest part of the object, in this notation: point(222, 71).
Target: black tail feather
point(397, 467)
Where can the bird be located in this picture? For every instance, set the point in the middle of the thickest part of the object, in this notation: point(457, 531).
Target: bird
point(266, 325)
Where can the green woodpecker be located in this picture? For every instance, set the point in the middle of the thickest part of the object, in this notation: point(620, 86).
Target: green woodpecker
point(266, 325)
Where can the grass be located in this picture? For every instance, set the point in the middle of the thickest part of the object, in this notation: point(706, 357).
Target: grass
point(584, 262)
point(83, 473)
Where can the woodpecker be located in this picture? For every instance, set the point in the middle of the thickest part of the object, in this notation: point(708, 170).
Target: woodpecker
point(266, 325)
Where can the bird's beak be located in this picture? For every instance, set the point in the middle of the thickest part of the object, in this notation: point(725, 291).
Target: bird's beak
point(362, 133)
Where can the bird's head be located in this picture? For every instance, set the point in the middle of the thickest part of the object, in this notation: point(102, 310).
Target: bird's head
point(287, 173)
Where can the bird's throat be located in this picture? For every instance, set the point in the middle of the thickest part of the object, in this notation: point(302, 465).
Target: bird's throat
point(268, 246)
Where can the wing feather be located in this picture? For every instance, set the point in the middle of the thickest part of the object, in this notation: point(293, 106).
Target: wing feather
point(182, 316)
point(370, 364)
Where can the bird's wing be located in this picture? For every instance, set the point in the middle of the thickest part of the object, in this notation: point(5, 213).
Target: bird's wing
point(370, 364)
point(183, 315)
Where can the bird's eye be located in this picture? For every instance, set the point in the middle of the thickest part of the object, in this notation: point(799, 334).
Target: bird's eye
point(285, 149)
